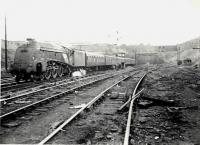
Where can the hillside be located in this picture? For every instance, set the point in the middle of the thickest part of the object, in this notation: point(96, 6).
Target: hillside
point(166, 53)
point(187, 51)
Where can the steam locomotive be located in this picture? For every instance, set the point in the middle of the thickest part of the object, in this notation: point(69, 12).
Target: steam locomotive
point(46, 61)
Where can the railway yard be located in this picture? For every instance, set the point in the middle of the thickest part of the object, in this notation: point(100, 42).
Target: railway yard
point(147, 104)
point(100, 72)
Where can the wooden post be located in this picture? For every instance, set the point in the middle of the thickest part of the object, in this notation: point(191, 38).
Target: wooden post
point(6, 66)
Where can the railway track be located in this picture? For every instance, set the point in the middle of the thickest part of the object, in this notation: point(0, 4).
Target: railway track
point(34, 87)
point(4, 80)
point(110, 106)
point(7, 82)
point(11, 107)
point(9, 88)
point(132, 100)
point(14, 87)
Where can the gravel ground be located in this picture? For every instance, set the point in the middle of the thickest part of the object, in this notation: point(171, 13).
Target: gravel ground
point(168, 112)
point(103, 124)
point(37, 124)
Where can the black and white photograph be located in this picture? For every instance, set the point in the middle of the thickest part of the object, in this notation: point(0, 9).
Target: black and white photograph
point(100, 72)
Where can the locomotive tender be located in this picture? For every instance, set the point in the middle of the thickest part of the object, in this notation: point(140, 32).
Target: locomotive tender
point(45, 61)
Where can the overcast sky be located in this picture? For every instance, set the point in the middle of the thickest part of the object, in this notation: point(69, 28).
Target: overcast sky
point(137, 21)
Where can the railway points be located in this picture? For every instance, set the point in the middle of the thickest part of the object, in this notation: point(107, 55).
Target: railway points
point(95, 100)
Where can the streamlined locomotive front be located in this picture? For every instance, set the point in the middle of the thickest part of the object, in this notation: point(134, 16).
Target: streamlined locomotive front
point(38, 61)
point(23, 61)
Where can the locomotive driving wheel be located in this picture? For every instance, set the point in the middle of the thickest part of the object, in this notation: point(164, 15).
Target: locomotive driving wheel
point(54, 73)
point(42, 77)
point(47, 74)
point(26, 77)
point(60, 71)
point(17, 78)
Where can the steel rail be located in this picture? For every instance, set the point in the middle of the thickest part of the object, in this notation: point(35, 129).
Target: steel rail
point(35, 91)
point(30, 92)
point(127, 102)
point(105, 76)
point(88, 105)
point(39, 90)
point(127, 133)
point(7, 84)
point(51, 97)
point(4, 81)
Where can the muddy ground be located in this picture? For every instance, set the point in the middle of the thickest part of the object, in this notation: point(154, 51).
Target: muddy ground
point(169, 110)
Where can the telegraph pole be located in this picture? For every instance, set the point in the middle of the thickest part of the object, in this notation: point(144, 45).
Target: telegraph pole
point(179, 62)
point(135, 56)
point(6, 66)
point(117, 37)
point(117, 40)
point(178, 53)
